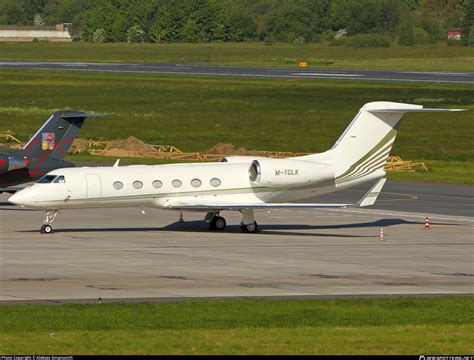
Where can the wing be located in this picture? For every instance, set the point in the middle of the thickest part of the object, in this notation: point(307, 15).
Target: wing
point(367, 200)
point(240, 206)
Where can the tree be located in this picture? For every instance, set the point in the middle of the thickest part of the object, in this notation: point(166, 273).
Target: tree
point(406, 32)
point(242, 25)
point(290, 22)
point(356, 16)
point(468, 23)
point(100, 17)
point(118, 31)
point(12, 13)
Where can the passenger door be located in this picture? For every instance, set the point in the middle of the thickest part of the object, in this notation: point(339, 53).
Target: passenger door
point(94, 187)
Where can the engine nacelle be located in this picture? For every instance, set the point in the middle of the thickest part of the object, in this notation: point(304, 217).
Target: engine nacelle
point(289, 173)
point(9, 162)
point(247, 159)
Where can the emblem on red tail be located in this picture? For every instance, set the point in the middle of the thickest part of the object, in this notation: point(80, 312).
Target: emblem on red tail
point(48, 140)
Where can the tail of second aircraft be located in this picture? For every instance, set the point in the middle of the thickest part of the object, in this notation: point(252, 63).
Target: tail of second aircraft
point(365, 145)
point(45, 151)
point(56, 135)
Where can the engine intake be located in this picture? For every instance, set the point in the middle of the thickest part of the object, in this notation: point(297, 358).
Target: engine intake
point(288, 173)
point(10, 162)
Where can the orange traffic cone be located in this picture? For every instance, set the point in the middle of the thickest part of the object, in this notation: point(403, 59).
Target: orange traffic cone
point(381, 238)
point(427, 224)
point(181, 217)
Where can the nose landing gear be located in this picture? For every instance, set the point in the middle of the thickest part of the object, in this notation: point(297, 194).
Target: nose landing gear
point(46, 228)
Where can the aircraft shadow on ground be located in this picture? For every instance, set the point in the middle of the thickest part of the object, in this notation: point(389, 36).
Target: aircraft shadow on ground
point(264, 229)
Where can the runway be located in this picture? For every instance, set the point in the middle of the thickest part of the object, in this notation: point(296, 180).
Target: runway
point(258, 72)
point(124, 255)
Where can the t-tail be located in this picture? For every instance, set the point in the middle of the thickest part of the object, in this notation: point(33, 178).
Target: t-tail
point(361, 152)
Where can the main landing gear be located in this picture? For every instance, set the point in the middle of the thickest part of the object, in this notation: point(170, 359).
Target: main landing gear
point(216, 222)
point(46, 228)
point(249, 228)
point(247, 225)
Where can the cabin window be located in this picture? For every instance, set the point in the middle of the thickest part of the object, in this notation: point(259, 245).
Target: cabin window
point(60, 180)
point(118, 185)
point(176, 183)
point(157, 184)
point(196, 183)
point(137, 184)
point(47, 179)
point(215, 182)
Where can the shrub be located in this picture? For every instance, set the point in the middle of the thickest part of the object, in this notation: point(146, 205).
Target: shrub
point(338, 42)
point(369, 40)
point(38, 20)
point(299, 41)
point(433, 29)
point(341, 34)
point(421, 36)
point(135, 34)
point(99, 36)
point(406, 32)
point(470, 39)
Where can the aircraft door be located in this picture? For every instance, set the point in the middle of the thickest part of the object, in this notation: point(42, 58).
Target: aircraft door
point(94, 187)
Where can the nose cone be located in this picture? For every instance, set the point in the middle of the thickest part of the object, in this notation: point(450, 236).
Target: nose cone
point(22, 198)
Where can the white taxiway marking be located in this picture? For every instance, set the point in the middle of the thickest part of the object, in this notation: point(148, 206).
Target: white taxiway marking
point(326, 74)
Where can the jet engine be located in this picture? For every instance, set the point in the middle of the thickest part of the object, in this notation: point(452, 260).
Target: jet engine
point(9, 162)
point(289, 173)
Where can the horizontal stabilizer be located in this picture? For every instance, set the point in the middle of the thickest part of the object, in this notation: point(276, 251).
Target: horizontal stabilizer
point(420, 110)
point(82, 115)
point(372, 195)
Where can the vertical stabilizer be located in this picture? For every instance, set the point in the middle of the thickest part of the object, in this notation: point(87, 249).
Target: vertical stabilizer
point(57, 134)
point(365, 145)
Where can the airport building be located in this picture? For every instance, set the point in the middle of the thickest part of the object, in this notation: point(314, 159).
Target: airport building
point(29, 33)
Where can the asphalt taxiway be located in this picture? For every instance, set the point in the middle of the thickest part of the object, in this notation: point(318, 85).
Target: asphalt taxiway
point(240, 71)
point(125, 255)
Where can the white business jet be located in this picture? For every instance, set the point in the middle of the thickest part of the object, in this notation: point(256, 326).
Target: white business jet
point(238, 183)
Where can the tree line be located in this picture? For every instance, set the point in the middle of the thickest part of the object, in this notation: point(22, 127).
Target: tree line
point(298, 21)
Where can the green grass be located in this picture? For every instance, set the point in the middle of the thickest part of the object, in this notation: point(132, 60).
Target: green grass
point(422, 57)
point(455, 172)
point(380, 326)
point(195, 113)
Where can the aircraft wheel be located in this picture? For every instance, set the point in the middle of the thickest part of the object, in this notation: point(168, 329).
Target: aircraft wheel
point(249, 228)
point(217, 223)
point(46, 229)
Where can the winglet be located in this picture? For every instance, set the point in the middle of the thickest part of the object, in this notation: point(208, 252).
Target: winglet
point(116, 164)
point(371, 196)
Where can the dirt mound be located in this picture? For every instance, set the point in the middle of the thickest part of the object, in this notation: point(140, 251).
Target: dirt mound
point(229, 149)
point(131, 144)
point(78, 146)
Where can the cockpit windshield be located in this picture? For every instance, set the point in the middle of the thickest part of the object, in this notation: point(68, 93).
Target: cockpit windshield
point(47, 179)
point(60, 180)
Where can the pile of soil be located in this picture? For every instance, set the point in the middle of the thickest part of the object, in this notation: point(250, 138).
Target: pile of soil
point(229, 149)
point(132, 144)
point(78, 146)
